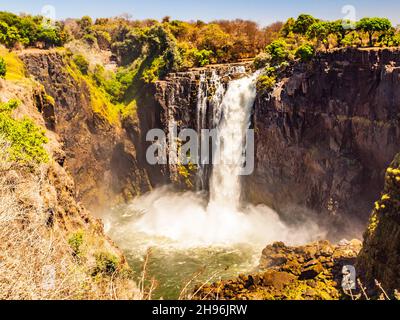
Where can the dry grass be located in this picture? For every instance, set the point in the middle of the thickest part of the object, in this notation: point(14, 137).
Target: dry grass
point(36, 261)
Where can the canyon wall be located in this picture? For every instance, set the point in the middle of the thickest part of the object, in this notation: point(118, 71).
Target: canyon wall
point(326, 134)
point(105, 160)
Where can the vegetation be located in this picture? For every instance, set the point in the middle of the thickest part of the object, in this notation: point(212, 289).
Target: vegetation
point(106, 264)
point(301, 38)
point(3, 68)
point(76, 242)
point(26, 30)
point(15, 69)
point(25, 138)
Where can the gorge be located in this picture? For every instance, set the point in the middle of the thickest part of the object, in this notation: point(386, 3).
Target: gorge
point(324, 137)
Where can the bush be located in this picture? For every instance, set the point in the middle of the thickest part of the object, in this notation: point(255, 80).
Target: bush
point(303, 22)
point(26, 139)
point(305, 52)
point(266, 83)
point(262, 60)
point(90, 39)
point(82, 64)
point(76, 242)
point(106, 264)
point(3, 68)
point(278, 50)
point(200, 57)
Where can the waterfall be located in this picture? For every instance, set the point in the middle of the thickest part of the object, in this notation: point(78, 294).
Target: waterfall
point(236, 109)
point(191, 219)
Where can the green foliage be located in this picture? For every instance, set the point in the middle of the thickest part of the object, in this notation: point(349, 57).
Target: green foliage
point(27, 30)
point(305, 52)
point(287, 28)
point(8, 35)
point(26, 139)
point(303, 22)
point(106, 264)
point(372, 26)
point(320, 31)
point(82, 64)
point(266, 83)
point(278, 50)
point(262, 60)
point(199, 58)
point(90, 39)
point(3, 68)
point(76, 242)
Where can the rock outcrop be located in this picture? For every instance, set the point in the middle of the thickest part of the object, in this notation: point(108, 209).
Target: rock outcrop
point(310, 272)
point(379, 259)
point(325, 136)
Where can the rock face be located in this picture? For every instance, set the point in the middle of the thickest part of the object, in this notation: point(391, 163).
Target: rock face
point(103, 158)
point(310, 272)
point(326, 134)
point(380, 257)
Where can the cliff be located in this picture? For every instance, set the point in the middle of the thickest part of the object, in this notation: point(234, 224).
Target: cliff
point(325, 136)
point(51, 246)
point(380, 257)
point(102, 153)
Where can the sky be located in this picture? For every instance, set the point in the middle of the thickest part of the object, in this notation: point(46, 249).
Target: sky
point(262, 11)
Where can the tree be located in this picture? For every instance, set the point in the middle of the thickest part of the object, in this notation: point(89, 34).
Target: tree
point(303, 22)
point(278, 50)
point(305, 52)
point(3, 68)
point(337, 28)
point(9, 36)
point(288, 27)
point(371, 26)
point(320, 31)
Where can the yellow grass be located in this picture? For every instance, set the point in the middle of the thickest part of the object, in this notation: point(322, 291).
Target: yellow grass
point(15, 67)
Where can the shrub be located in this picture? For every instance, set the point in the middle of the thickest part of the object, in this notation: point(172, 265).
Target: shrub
point(76, 242)
point(201, 57)
point(90, 39)
point(303, 22)
point(262, 60)
point(305, 52)
point(26, 139)
point(82, 64)
point(3, 68)
point(278, 50)
point(266, 83)
point(106, 264)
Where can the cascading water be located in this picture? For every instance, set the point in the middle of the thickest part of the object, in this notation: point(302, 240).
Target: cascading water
point(236, 107)
point(190, 230)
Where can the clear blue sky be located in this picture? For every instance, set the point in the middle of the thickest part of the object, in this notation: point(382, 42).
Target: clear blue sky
point(261, 11)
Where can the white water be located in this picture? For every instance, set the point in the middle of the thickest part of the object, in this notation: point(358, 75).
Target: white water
point(188, 220)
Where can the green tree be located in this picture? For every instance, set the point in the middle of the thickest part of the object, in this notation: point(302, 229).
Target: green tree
point(287, 28)
point(278, 50)
point(305, 52)
point(372, 26)
point(3, 68)
point(303, 22)
point(320, 31)
point(9, 36)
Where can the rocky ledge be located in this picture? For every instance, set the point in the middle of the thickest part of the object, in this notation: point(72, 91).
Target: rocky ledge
point(310, 272)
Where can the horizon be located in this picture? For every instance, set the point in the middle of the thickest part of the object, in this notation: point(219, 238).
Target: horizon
point(262, 12)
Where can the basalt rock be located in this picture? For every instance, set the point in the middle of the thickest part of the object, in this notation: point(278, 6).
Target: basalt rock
point(325, 136)
point(379, 259)
point(310, 272)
